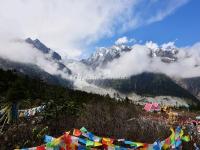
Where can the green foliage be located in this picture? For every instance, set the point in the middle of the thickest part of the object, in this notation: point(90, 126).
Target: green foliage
point(16, 91)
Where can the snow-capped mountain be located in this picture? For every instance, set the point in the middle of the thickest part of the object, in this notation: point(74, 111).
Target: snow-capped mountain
point(166, 52)
point(104, 55)
point(94, 69)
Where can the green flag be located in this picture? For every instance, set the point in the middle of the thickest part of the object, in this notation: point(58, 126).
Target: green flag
point(83, 129)
point(89, 143)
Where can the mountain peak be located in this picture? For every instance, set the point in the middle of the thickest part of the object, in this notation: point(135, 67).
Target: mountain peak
point(103, 55)
point(167, 51)
point(43, 48)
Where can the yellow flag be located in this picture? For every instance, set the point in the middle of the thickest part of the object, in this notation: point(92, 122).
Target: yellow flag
point(96, 144)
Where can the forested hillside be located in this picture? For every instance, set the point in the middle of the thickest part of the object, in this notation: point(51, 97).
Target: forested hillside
point(147, 84)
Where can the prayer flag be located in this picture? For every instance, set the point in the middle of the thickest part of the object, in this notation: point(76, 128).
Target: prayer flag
point(186, 138)
point(77, 132)
point(89, 143)
point(107, 141)
point(90, 136)
point(40, 147)
point(83, 141)
point(48, 138)
point(96, 139)
point(96, 144)
point(83, 129)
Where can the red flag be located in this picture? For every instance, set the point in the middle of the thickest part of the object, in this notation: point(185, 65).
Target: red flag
point(71, 147)
point(67, 139)
point(42, 147)
point(62, 148)
point(167, 141)
point(77, 132)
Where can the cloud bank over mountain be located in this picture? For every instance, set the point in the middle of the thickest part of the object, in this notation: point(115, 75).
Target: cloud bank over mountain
point(180, 62)
point(70, 27)
point(22, 52)
point(137, 61)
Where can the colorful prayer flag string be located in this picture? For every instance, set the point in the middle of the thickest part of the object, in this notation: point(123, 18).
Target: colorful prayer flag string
point(83, 139)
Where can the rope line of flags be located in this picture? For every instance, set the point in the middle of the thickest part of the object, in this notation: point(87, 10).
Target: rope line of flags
point(30, 112)
point(82, 139)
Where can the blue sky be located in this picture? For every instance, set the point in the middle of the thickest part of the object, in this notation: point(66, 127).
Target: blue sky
point(182, 26)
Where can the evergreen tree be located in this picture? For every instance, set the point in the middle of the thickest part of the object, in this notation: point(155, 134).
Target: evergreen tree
point(15, 94)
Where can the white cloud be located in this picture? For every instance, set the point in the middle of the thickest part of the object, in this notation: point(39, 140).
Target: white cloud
point(152, 45)
point(169, 8)
point(64, 25)
point(122, 40)
point(20, 51)
point(132, 40)
point(69, 26)
point(137, 61)
point(130, 63)
point(150, 11)
point(165, 46)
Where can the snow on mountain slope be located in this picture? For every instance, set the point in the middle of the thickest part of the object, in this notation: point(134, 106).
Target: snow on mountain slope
point(166, 52)
point(104, 55)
